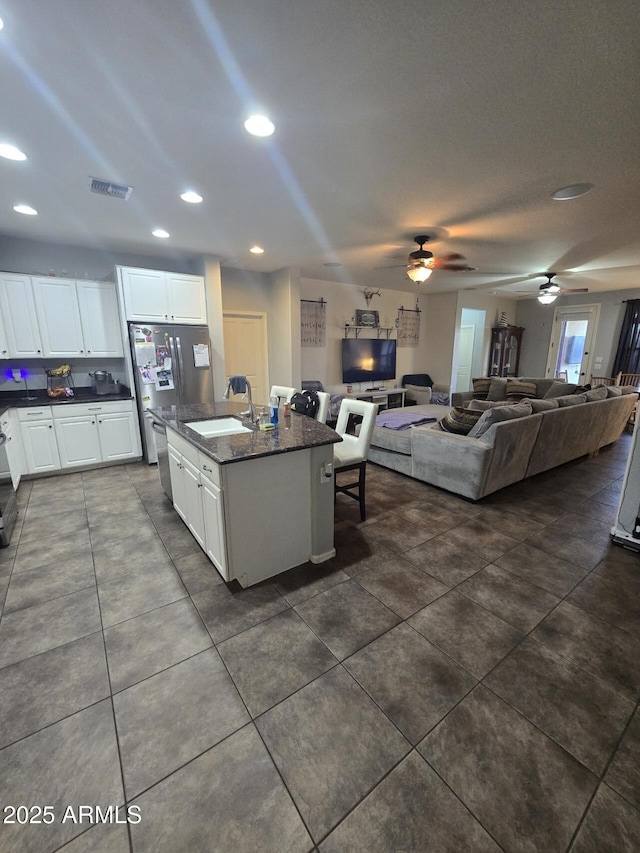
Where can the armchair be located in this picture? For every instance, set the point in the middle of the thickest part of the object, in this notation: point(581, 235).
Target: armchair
point(421, 390)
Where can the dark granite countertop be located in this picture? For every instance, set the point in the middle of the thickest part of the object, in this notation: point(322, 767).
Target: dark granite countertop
point(297, 432)
point(18, 399)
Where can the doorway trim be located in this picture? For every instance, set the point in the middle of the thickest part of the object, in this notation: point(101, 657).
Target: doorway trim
point(594, 309)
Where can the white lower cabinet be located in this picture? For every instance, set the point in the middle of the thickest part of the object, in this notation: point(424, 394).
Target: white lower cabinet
point(77, 441)
point(198, 500)
point(215, 546)
point(40, 446)
point(91, 433)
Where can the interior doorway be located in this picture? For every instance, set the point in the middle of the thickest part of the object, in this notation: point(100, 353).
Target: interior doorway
point(572, 340)
point(466, 339)
point(245, 351)
point(469, 347)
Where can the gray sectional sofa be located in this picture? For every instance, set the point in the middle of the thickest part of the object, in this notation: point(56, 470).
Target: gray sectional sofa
point(508, 451)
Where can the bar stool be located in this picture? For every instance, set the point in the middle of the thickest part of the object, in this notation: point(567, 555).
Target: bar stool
point(351, 453)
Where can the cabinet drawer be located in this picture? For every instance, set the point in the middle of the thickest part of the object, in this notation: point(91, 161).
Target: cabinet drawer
point(183, 447)
point(210, 469)
point(35, 414)
point(79, 410)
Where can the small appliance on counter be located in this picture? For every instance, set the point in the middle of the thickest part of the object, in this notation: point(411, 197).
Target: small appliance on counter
point(102, 382)
point(59, 381)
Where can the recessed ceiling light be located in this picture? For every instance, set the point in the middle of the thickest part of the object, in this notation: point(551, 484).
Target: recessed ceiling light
point(24, 208)
point(10, 152)
point(256, 250)
point(160, 232)
point(191, 197)
point(1, 23)
point(259, 126)
point(572, 191)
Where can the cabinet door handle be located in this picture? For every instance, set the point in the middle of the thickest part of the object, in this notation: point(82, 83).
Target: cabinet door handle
point(50, 426)
point(99, 422)
point(204, 468)
point(38, 350)
point(199, 485)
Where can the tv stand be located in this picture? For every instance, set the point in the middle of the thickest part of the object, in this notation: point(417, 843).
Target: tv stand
point(392, 399)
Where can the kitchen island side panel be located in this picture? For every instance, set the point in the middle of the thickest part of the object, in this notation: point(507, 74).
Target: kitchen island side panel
point(267, 509)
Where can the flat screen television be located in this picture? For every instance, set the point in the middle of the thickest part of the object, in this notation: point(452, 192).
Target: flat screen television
point(368, 360)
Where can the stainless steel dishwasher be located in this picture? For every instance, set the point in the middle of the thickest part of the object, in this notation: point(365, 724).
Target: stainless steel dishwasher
point(162, 450)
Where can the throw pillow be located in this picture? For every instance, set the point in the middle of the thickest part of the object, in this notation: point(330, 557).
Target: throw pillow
point(497, 389)
point(571, 400)
point(613, 391)
point(481, 388)
point(518, 390)
point(498, 414)
point(599, 393)
point(581, 389)
point(543, 405)
point(460, 421)
point(559, 389)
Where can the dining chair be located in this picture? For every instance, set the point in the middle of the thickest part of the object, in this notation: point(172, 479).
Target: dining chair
point(562, 375)
point(351, 453)
point(282, 392)
point(323, 408)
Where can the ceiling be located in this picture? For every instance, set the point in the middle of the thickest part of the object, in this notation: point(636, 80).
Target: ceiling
point(452, 118)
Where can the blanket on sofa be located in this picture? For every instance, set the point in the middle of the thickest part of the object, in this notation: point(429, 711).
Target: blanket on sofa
point(401, 420)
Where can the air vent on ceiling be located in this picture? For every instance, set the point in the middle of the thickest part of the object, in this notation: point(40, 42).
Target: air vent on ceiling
point(97, 185)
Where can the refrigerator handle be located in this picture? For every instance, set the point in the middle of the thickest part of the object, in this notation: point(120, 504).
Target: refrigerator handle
point(180, 365)
point(177, 379)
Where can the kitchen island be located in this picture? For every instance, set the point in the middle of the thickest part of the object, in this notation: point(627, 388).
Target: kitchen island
point(257, 502)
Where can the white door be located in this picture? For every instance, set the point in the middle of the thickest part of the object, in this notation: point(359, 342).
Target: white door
point(19, 314)
point(58, 317)
point(572, 339)
point(214, 525)
point(98, 301)
point(77, 440)
point(145, 295)
point(177, 483)
point(245, 352)
point(117, 433)
point(466, 340)
point(193, 501)
point(187, 302)
point(40, 446)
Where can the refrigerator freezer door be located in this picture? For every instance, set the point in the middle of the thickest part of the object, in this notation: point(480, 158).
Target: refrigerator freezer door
point(196, 382)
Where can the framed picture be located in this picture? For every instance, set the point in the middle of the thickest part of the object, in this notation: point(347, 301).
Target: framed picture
point(367, 318)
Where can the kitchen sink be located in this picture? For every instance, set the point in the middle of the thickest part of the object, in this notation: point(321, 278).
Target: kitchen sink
point(217, 426)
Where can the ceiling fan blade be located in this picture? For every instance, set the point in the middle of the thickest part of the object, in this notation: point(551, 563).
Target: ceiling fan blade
point(574, 290)
point(453, 267)
point(454, 256)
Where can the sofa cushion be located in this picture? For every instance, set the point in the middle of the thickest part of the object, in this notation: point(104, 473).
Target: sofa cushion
point(543, 405)
point(559, 389)
point(599, 393)
point(613, 390)
point(497, 389)
point(483, 405)
point(500, 413)
point(571, 400)
point(518, 389)
point(459, 420)
point(481, 388)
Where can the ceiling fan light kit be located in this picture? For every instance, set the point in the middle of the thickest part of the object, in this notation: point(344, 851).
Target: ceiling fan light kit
point(547, 298)
point(419, 273)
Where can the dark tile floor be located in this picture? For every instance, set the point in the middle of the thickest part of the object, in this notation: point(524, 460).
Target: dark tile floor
point(461, 677)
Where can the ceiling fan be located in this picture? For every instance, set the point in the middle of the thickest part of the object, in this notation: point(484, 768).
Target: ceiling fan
point(549, 291)
point(421, 263)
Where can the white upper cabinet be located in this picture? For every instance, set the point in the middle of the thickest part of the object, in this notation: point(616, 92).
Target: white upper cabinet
point(187, 303)
point(145, 295)
point(98, 301)
point(58, 315)
point(4, 346)
point(163, 297)
point(19, 316)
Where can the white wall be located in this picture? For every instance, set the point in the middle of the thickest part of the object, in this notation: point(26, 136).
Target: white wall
point(34, 257)
point(284, 328)
point(209, 268)
point(439, 324)
point(324, 363)
point(537, 321)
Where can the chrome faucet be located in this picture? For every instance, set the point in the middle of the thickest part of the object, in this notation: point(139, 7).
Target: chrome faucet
point(251, 412)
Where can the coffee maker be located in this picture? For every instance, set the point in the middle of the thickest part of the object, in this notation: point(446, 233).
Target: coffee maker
point(102, 382)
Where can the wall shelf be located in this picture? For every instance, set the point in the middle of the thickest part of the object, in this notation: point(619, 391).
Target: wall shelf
point(380, 330)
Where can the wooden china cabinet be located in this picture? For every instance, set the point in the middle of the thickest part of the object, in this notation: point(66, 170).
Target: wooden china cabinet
point(504, 355)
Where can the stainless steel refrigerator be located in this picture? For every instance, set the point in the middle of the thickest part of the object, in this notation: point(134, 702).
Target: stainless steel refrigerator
point(171, 366)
